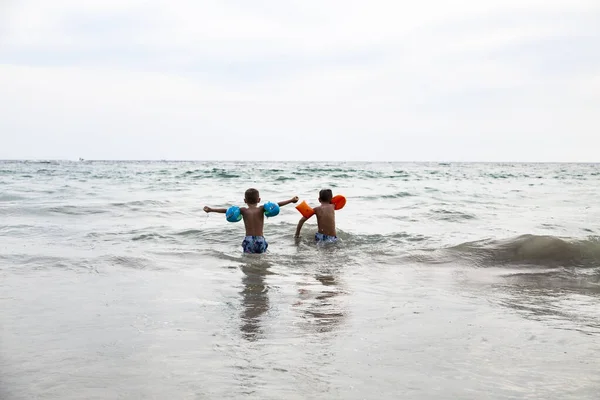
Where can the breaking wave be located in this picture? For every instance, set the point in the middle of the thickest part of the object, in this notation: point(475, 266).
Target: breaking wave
point(529, 249)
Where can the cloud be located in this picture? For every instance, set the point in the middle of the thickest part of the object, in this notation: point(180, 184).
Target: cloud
point(433, 80)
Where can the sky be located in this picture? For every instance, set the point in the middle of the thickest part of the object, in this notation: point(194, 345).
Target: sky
point(463, 80)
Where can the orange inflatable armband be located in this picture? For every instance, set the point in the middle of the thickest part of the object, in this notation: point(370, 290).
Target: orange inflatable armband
point(338, 201)
point(305, 210)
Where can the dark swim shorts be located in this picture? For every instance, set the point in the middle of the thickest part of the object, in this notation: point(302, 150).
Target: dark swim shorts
point(321, 238)
point(254, 244)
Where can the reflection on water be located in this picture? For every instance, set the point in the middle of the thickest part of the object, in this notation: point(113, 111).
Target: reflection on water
point(319, 292)
point(324, 310)
point(320, 304)
point(255, 298)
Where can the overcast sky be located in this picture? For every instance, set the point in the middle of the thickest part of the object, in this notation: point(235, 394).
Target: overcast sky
point(465, 80)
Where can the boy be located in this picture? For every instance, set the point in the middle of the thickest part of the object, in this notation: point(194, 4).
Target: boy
point(254, 220)
point(325, 219)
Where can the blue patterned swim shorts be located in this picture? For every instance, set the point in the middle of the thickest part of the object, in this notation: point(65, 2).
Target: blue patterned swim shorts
point(321, 238)
point(254, 244)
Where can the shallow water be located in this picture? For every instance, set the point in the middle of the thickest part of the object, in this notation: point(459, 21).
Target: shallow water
point(452, 281)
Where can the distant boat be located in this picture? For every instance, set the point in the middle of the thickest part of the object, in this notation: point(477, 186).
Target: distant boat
point(81, 159)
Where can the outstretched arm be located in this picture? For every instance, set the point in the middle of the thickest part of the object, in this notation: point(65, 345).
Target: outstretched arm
point(299, 227)
point(216, 210)
point(286, 202)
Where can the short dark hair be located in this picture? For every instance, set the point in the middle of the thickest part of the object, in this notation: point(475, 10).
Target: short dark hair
point(252, 196)
point(325, 195)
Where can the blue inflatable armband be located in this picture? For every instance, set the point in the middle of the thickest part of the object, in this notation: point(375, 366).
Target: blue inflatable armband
point(271, 209)
point(233, 214)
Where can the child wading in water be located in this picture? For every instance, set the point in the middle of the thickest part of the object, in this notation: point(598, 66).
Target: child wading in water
point(325, 219)
point(254, 221)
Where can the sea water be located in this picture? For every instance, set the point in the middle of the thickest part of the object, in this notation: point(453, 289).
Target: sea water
point(451, 281)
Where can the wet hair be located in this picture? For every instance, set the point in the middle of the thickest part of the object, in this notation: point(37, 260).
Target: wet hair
point(325, 195)
point(252, 196)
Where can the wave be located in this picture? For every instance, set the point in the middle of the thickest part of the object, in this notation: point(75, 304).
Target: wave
point(550, 251)
point(388, 196)
point(51, 172)
point(10, 197)
point(141, 203)
point(149, 236)
point(370, 242)
point(44, 262)
point(324, 170)
point(45, 162)
point(210, 173)
point(75, 210)
point(337, 173)
point(194, 233)
point(284, 178)
point(451, 216)
point(501, 175)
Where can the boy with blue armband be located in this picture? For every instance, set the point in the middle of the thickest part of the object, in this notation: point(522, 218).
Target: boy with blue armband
point(254, 219)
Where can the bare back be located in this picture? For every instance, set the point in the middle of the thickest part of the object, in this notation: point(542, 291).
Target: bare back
point(254, 220)
point(326, 219)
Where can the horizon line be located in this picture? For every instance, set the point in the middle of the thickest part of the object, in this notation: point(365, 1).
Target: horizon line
point(297, 161)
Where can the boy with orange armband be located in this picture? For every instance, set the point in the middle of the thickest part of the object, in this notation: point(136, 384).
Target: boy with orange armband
point(325, 216)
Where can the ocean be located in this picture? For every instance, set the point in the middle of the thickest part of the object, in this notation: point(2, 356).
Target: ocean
point(451, 281)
